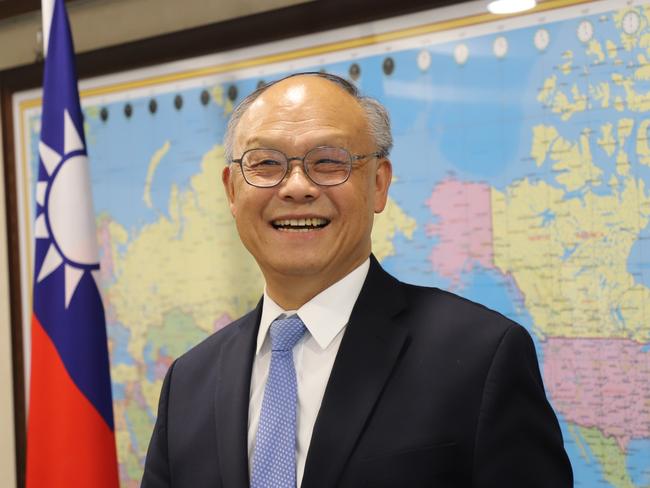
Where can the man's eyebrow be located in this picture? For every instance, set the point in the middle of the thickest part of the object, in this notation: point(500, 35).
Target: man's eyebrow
point(272, 143)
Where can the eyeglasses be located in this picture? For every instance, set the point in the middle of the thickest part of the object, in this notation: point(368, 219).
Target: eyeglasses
point(324, 165)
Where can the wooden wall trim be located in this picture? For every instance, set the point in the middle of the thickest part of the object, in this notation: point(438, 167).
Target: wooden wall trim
point(14, 282)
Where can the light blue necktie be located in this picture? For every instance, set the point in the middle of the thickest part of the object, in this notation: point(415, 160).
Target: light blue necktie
point(274, 460)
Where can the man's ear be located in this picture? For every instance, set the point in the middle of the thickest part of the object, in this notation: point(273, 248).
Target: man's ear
point(229, 188)
point(383, 178)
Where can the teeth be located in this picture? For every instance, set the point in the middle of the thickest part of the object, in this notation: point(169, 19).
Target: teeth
point(294, 229)
point(300, 225)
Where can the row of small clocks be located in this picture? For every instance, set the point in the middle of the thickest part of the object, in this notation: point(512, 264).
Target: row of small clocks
point(585, 32)
point(630, 23)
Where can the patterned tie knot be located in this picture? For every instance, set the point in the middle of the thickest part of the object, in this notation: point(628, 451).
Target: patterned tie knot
point(285, 332)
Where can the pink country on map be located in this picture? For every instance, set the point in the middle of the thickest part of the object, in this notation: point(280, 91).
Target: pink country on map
point(221, 322)
point(106, 266)
point(601, 383)
point(463, 227)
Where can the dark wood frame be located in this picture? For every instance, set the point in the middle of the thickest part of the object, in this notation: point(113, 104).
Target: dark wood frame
point(11, 8)
point(308, 18)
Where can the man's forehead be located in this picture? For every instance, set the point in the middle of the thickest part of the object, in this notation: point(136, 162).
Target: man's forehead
point(302, 90)
point(300, 104)
point(284, 95)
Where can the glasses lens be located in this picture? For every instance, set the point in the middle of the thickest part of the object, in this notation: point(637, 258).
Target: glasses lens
point(328, 165)
point(264, 167)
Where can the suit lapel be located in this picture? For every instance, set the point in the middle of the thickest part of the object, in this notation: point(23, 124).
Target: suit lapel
point(232, 398)
point(369, 350)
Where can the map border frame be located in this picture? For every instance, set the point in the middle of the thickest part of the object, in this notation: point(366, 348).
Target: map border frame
point(383, 35)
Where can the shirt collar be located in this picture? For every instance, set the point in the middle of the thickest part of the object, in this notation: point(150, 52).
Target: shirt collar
point(326, 314)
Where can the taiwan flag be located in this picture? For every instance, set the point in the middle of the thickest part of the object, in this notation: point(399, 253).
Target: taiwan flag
point(70, 432)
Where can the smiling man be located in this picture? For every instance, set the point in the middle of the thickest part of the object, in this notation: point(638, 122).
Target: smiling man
point(341, 184)
point(342, 375)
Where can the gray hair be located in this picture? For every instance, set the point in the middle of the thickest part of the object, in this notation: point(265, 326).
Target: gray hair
point(376, 113)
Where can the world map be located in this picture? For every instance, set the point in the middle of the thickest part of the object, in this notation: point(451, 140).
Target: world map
point(522, 166)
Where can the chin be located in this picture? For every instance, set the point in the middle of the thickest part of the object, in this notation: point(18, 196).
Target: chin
point(300, 268)
point(298, 265)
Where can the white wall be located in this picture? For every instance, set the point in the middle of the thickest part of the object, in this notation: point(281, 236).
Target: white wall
point(102, 23)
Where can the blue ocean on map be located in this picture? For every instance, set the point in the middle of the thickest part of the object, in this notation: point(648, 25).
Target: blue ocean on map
point(188, 130)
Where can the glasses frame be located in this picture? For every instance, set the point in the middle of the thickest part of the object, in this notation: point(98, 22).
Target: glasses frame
point(352, 158)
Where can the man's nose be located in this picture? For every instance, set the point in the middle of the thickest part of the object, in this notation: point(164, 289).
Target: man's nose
point(297, 186)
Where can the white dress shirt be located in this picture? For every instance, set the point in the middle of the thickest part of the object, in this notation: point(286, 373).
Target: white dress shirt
point(325, 316)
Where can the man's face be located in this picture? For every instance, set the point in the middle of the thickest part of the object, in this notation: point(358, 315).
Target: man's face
point(294, 116)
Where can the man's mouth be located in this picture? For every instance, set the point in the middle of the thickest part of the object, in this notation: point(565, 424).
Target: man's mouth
point(300, 225)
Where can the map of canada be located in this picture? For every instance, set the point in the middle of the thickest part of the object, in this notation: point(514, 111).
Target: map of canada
point(522, 175)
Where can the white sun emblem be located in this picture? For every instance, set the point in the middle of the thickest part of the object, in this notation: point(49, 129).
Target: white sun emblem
point(65, 211)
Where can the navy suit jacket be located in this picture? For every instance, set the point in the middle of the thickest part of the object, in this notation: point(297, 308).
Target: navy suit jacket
point(427, 390)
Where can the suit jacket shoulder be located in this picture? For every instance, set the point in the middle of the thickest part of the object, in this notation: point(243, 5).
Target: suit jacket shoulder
point(206, 351)
point(199, 439)
point(430, 389)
